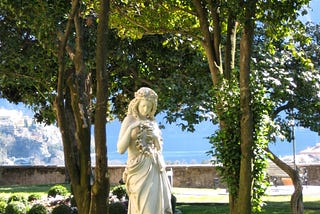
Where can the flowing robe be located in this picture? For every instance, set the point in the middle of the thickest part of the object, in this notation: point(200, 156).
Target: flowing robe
point(147, 183)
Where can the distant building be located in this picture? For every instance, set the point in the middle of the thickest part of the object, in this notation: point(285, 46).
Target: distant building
point(310, 155)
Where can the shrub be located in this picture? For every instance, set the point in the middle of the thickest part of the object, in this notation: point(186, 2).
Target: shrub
point(117, 208)
point(173, 203)
point(73, 202)
point(34, 197)
point(119, 191)
point(57, 190)
point(16, 198)
point(38, 209)
point(3, 198)
point(62, 209)
point(16, 207)
point(3, 205)
point(74, 210)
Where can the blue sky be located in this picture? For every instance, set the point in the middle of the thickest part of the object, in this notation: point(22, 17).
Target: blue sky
point(314, 12)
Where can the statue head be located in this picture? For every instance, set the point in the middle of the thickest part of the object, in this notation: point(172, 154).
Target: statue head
point(143, 93)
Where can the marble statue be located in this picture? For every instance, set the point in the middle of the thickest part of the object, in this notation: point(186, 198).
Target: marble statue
point(145, 177)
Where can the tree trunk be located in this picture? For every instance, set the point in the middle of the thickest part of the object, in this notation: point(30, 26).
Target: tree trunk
point(76, 144)
point(101, 187)
point(241, 201)
point(246, 121)
point(296, 201)
point(75, 136)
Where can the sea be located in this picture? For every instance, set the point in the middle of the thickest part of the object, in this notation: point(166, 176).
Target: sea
point(181, 147)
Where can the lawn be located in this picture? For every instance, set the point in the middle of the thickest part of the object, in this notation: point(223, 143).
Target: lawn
point(195, 201)
point(210, 201)
point(270, 208)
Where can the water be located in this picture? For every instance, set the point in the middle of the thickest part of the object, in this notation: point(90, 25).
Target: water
point(171, 157)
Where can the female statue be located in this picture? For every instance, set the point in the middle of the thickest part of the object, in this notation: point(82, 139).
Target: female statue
point(145, 176)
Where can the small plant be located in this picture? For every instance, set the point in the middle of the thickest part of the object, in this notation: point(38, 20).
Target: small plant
point(117, 208)
point(16, 207)
point(61, 209)
point(38, 209)
point(57, 190)
point(34, 197)
point(119, 191)
point(3, 206)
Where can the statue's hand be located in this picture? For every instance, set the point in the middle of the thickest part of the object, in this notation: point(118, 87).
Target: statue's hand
point(135, 124)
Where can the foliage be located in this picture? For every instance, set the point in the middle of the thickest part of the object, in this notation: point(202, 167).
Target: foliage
point(61, 209)
point(16, 197)
point(33, 197)
point(16, 207)
point(291, 80)
point(227, 157)
point(167, 70)
point(173, 203)
point(117, 208)
point(3, 206)
point(263, 126)
point(162, 67)
point(57, 190)
point(24, 77)
point(119, 191)
point(38, 209)
point(73, 201)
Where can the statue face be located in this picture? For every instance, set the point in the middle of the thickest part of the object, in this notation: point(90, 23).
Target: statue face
point(144, 108)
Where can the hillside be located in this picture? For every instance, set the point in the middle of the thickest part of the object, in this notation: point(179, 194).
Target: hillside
point(23, 141)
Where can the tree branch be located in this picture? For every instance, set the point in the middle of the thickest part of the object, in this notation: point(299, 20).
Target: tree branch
point(230, 47)
point(207, 42)
point(280, 109)
point(215, 14)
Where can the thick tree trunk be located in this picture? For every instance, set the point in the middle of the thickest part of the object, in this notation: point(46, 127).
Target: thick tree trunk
point(74, 119)
point(76, 143)
point(297, 196)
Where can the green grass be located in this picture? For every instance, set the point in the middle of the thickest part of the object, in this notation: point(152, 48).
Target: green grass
point(203, 209)
point(210, 201)
point(269, 208)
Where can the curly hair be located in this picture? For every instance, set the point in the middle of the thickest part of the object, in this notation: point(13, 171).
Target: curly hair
point(143, 93)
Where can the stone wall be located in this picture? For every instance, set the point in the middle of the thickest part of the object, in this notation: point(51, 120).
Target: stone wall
point(313, 173)
point(28, 175)
point(195, 176)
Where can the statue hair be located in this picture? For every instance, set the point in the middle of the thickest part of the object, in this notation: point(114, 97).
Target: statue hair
point(143, 93)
